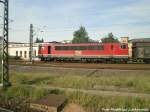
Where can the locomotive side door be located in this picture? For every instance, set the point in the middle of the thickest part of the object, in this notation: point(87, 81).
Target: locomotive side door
point(49, 49)
point(112, 50)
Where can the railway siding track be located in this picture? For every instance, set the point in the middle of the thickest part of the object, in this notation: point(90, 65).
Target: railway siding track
point(95, 92)
point(90, 66)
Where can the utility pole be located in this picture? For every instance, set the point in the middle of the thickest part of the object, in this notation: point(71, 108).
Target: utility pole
point(5, 64)
point(31, 43)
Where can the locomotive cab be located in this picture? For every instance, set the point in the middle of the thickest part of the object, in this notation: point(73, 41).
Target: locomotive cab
point(44, 52)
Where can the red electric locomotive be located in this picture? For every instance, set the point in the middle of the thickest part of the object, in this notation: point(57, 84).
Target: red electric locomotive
point(89, 52)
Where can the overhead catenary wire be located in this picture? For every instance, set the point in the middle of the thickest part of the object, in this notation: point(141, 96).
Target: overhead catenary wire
point(66, 30)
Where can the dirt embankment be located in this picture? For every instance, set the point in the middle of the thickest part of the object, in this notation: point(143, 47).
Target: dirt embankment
point(73, 108)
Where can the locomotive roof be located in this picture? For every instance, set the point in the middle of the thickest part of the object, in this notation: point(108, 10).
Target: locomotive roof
point(69, 44)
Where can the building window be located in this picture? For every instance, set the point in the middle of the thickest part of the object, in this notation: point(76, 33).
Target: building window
point(16, 53)
point(20, 53)
point(25, 54)
point(123, 46)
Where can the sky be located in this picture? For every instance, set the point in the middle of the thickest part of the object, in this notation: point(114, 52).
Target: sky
point(56, 20)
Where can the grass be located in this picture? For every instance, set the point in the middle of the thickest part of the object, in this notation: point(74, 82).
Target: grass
point(92, 103)
point(96, 103)
point(138, 82)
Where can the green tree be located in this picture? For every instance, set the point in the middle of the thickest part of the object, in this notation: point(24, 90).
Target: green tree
point(81, 36)
point(109, 39)
point(39, 40)
point(42, 40)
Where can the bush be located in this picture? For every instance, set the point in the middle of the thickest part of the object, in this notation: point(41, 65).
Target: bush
point(15, 103)
point(18, 98)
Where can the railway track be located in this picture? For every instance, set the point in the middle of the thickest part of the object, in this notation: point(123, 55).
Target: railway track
point(86, 65)
point(92, 92)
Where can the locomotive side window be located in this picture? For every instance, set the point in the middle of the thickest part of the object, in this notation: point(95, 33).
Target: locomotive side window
point(123, 46)
point(90, 47)
point(58, 48)
point(70, 47)
point(79, 47)
point(100, 47)
point(83, 48)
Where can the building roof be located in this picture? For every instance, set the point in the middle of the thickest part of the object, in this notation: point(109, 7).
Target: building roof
point(17, 43)
point(140, 40)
